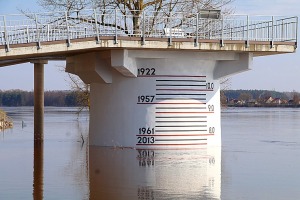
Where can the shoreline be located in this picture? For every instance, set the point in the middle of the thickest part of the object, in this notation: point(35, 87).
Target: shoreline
point(263, 106)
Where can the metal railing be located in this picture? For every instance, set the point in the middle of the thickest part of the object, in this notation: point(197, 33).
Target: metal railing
point(43, 27)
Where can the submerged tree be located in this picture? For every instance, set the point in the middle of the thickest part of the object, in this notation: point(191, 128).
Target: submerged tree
point(82, 91)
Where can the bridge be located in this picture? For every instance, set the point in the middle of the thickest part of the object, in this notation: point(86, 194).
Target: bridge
point(154, 75)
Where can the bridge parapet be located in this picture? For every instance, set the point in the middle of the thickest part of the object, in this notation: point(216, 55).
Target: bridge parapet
point(156, 74)
point(67, 26)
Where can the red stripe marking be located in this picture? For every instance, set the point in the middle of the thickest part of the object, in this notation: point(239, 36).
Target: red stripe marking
point(171, 149)
point(174, 76)
point(177, 135)
point(203, 90)
point(184, 112)
point(153, 158)
point(171, 144)
point(176, 103)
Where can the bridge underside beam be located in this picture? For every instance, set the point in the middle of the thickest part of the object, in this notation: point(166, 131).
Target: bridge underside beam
point(229, 67)
point(59, 51)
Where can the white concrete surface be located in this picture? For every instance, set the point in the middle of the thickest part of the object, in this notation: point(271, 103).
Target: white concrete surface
point(174, 102)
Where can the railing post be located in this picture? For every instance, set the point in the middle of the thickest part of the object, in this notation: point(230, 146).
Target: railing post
point(255, 32)
point(68, 30)
point(116, 24)
point(6, 35)
point(48, 32)
point(96, 27)
point(222, 33)
point(287, 30)
point(170, 31)
point(272, 40)
point(143, 34)
point(247, 41)
point(296, 32)
point(282, 31)
point(37, 32)
point(197, 30)
point(27, 33)
point(100, 23)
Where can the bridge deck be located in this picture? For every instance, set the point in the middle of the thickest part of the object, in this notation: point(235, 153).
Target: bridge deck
point(60, 34)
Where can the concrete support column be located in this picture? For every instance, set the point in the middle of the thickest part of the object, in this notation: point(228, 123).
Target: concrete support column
point(38, 170)
point(39, 101)
point(38, 163)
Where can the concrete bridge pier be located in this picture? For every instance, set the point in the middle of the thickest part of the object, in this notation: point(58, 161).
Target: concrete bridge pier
point(154, 89)
point(39, 100)
point(156, 99)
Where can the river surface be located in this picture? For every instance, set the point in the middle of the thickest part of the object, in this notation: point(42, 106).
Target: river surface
point(259, 159)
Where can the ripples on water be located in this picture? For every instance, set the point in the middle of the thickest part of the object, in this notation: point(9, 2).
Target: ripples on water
point(260, 160)
point(260, 153)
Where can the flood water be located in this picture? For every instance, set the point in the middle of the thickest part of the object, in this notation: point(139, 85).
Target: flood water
point(259, 159)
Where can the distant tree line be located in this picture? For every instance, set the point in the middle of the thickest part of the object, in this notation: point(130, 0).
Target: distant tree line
point(255, 94)
point(52, 98)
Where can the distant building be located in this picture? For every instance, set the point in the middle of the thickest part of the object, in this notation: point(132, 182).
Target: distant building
point(234, 102)
point(292, 102)
point(269, 100)
point(252, 102)
point(276, 101)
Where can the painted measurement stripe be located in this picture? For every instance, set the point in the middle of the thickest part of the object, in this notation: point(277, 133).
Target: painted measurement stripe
point(188, 90)
point(176, 85)
point(165, 131)
point(180, 121)
point(179, 126)
point(184, 112)
point(176, 135)
point(178, 98)
point(178, 117)
point(167, 94)
point(178, 140)
point(178, 80)
point(180, 108)
point(173, 76)
point(163, 103)
point(192, 144)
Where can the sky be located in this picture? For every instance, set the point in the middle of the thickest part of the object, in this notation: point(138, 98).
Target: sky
point(279, 72)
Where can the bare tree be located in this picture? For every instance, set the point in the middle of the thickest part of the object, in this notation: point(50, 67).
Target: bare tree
point(132, 11)
point(225, 84)
point(245, 96)
point(82, 91)
point(64, 5)
point(296, 98)
point(135, 5)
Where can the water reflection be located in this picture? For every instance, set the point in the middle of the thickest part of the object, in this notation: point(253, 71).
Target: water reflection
point(154, 174)
point(38, 171)
point(64, 169)
point(260, 151)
